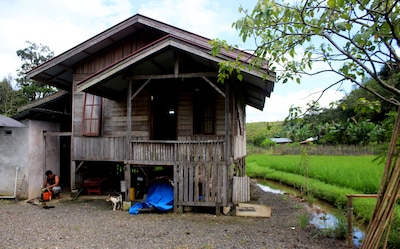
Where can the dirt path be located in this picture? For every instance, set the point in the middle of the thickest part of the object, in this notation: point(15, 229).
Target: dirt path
point(90, 223)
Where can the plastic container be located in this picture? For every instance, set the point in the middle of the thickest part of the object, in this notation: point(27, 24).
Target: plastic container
point(132, 194)
point(123, 186)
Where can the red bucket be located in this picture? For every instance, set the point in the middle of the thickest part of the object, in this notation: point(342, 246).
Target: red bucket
point(46, 196)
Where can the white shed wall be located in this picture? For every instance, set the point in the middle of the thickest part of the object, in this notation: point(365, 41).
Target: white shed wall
point(33, 153)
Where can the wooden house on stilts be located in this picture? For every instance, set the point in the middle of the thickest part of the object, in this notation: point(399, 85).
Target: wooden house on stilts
point(146, 102)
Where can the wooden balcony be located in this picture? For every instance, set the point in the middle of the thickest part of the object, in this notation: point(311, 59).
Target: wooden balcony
point(157, 152)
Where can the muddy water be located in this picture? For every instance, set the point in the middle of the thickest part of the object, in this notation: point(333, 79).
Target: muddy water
point(323, 215)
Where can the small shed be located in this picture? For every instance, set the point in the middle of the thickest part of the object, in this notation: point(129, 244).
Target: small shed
point(27, 152)
point(146, 103)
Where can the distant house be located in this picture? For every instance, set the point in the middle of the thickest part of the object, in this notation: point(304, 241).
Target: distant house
point(281, 140)
point(145, 102)
point(309, 140)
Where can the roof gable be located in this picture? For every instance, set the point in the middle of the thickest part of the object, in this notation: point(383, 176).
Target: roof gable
point(59, 70)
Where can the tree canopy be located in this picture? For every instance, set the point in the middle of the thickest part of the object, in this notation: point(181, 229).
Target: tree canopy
point(10, 99)
point(27, 90)
point(351, 39)
point(32, 56)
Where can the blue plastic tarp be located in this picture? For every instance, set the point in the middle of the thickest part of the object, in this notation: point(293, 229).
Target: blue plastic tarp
point(159, 196)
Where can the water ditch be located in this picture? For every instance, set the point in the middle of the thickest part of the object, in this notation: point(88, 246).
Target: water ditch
point(324, 216)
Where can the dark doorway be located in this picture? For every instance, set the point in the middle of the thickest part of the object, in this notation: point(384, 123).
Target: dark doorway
point(164, 114)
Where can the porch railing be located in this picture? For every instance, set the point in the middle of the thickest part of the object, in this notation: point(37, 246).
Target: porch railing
point(152, 151)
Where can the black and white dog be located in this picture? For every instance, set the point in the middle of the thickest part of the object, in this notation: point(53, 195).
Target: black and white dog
point(116, 201)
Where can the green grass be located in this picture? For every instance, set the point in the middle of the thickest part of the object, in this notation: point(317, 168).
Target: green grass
point(330, 178)
point(355, 172)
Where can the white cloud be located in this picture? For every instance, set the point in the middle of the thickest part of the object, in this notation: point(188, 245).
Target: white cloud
point(62, 25)
point(277, 107)
point(57, 24)
point(202, 17)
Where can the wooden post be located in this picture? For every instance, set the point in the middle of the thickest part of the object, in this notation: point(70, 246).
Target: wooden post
point(350, 221)
point(227, 143)
point(73, 175)
point(127, 177)
point(129, 121)
point(127, 168)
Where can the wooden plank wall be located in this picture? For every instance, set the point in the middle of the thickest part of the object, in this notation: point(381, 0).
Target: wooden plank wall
point(185, 116)
point(116, 52)
point(114, 118)
point(220, 116)
point(99, 148)
point(211, 150)
point(241, 189)
point(200, 183)
point(141, 111)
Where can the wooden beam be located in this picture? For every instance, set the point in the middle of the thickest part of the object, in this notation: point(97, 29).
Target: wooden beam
point(176, 65)
point(135, 163)
point(173, 76)
point(79, 166)
point(139, 90)
point(57, 134)
point(213, 86)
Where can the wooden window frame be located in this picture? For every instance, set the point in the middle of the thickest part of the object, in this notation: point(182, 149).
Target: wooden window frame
point(91, 115)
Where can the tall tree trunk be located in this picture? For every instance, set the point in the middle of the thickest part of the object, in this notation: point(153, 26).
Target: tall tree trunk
point(387, 196)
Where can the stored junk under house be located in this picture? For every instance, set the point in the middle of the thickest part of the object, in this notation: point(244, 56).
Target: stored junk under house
point(146, 102)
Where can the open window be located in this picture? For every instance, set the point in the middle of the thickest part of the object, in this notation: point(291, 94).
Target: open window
point(91, 120)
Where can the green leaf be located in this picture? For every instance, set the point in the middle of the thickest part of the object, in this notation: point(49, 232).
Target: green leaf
point(341, 26)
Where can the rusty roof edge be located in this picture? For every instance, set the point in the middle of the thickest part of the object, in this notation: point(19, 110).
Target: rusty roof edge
point(172, 30)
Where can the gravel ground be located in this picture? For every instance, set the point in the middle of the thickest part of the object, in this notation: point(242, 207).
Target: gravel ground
point(91, 223)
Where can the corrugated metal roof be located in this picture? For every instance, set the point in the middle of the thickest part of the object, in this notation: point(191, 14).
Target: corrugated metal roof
point(9, 122)
point(59, 70)
point(282, 140)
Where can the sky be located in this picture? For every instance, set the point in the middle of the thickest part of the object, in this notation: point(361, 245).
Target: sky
point(63, 24)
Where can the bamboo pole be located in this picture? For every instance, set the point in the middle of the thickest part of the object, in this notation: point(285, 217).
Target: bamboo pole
point(350, 210)
point(388, 193)
point(350, 221)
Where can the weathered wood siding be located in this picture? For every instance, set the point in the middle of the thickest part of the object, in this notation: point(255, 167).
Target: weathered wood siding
point(168, 152)
point(241, 189)
point(99, 148)
point(238, 127)
point(220, 116)
point(185, 115)
point(116, 52)
point(114, 117)
point(141, 115)
point(200, 184)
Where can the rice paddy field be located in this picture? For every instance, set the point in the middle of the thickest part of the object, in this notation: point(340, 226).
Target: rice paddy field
point(330, 178)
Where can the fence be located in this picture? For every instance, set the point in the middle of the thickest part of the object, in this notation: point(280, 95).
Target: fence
point(339, 150)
